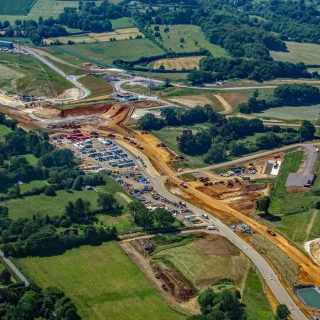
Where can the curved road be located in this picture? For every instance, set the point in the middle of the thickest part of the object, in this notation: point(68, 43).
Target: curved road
point(158, 183)
point(13, 269)
point(308, 146)
point(73, 79)
point(271, 278)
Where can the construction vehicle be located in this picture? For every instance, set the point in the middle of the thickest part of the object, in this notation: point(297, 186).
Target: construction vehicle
point(184, 185)
point(272, 233)
point(161, 145)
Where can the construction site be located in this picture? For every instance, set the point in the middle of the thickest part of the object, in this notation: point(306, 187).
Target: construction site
point(228, 194)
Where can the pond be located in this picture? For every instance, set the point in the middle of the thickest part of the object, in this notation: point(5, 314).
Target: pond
point(309, 295)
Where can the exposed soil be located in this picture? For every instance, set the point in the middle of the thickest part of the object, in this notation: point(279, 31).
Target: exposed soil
point(173, 282)
point(216, 245)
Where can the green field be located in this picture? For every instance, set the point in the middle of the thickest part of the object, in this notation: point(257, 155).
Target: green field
point(28, 75)
point(3, 131)
point(206, 261)
point(169, 136)
point(42, 204)
point(43, 8)
point(104, 53)
point(97, 86)
point(258, 306)
point(103, 283)
point(16, 7)
point(299, 52)
point(295, 209)
point(194, 39)
point(310, 113)
point(122, 23)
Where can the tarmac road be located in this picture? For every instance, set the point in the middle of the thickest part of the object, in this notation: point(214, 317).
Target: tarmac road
point(262, 265)
point(310, 159)
point(13, 269)
point(70, 78)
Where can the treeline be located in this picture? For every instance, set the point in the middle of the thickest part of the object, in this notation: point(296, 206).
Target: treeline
point(224, 305)
point(224, 24)
point(284, 95)
point(18, 302)
point(87, 17)
point(40, 236)
point(294, 20)
point(225, 137)
point(212, 69)
point(158, 219)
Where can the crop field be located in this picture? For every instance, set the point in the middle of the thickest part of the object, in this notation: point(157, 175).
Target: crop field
point(292, 113)
point(299, 52)
point(193, 40)
point(10, 7)
point(103, 283)
point(258, 306)
point(43, 8)
point(118, 34)
point(104, 53)
point(28, 75)
point(186, 63)
point(42, 204)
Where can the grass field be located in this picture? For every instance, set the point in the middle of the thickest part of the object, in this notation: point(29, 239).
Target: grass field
point(194, 39)
point(9, 7)
point(118, 34)
point(296, 209)
point(28, 75)
point(103, 283)
point(169, 137)
point(3, 131)
point(42, 204)
point(258, 306)
point(310, 113)
point(97, 86)
point(186, 63)
point(208, 260)
point(43, 8)
point(299, 52)
point(104, 53)
point(287, 268)
point(121, 23)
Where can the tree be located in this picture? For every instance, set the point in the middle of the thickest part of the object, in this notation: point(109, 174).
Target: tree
point(263, 204)
point(216, 153)
point(307, 130)
point(163, 218)
point(106, 202)
point(141, 215)
point(5, 277)
point(78, 182)
point(282, 312)
point(69, 211)
point(150, 122)
point(205, 300)
point(49, 191)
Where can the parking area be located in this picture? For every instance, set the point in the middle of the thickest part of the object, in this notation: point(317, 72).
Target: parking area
point(103, 154)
